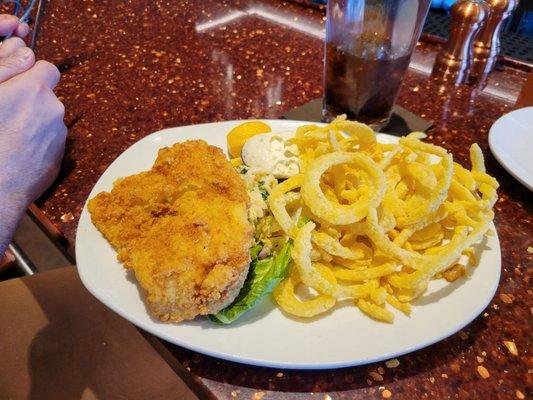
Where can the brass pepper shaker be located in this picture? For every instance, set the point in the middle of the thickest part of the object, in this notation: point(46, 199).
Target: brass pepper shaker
point(487, 42)
point(456, 56)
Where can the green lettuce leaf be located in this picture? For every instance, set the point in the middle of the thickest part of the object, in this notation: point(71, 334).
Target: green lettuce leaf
point(255, 250)
point(263, 276)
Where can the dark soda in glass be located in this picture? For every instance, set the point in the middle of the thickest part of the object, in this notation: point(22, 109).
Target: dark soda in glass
point(362, 84)
point(368, 48)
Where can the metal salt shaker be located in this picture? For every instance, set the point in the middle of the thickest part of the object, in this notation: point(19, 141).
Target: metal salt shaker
point(487, 42)
point(455, 58)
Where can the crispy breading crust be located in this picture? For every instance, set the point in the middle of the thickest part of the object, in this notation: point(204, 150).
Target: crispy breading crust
point(183, 229)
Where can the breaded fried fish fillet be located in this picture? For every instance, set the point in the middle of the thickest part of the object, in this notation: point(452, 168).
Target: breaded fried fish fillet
point(183, 228)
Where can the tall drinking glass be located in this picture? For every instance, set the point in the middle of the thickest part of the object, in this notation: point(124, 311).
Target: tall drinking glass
point(368, 48)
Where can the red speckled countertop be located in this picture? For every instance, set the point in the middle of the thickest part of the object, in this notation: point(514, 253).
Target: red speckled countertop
point(135, 66)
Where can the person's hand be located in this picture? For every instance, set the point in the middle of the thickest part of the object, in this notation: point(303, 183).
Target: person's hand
point(32, 131)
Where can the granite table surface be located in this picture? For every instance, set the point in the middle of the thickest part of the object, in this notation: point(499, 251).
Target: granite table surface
point(133, 67)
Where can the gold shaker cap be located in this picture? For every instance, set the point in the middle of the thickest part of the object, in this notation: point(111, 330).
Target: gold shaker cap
point(470, 12)
point(501, 6)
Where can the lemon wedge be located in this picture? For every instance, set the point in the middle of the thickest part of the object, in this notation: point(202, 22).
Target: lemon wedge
point(241, 133)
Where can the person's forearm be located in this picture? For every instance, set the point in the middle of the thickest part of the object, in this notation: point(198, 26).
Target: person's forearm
point(11, 211)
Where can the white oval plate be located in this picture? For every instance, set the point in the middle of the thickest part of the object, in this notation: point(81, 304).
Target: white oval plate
point(265, 336)
point(511, 142)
